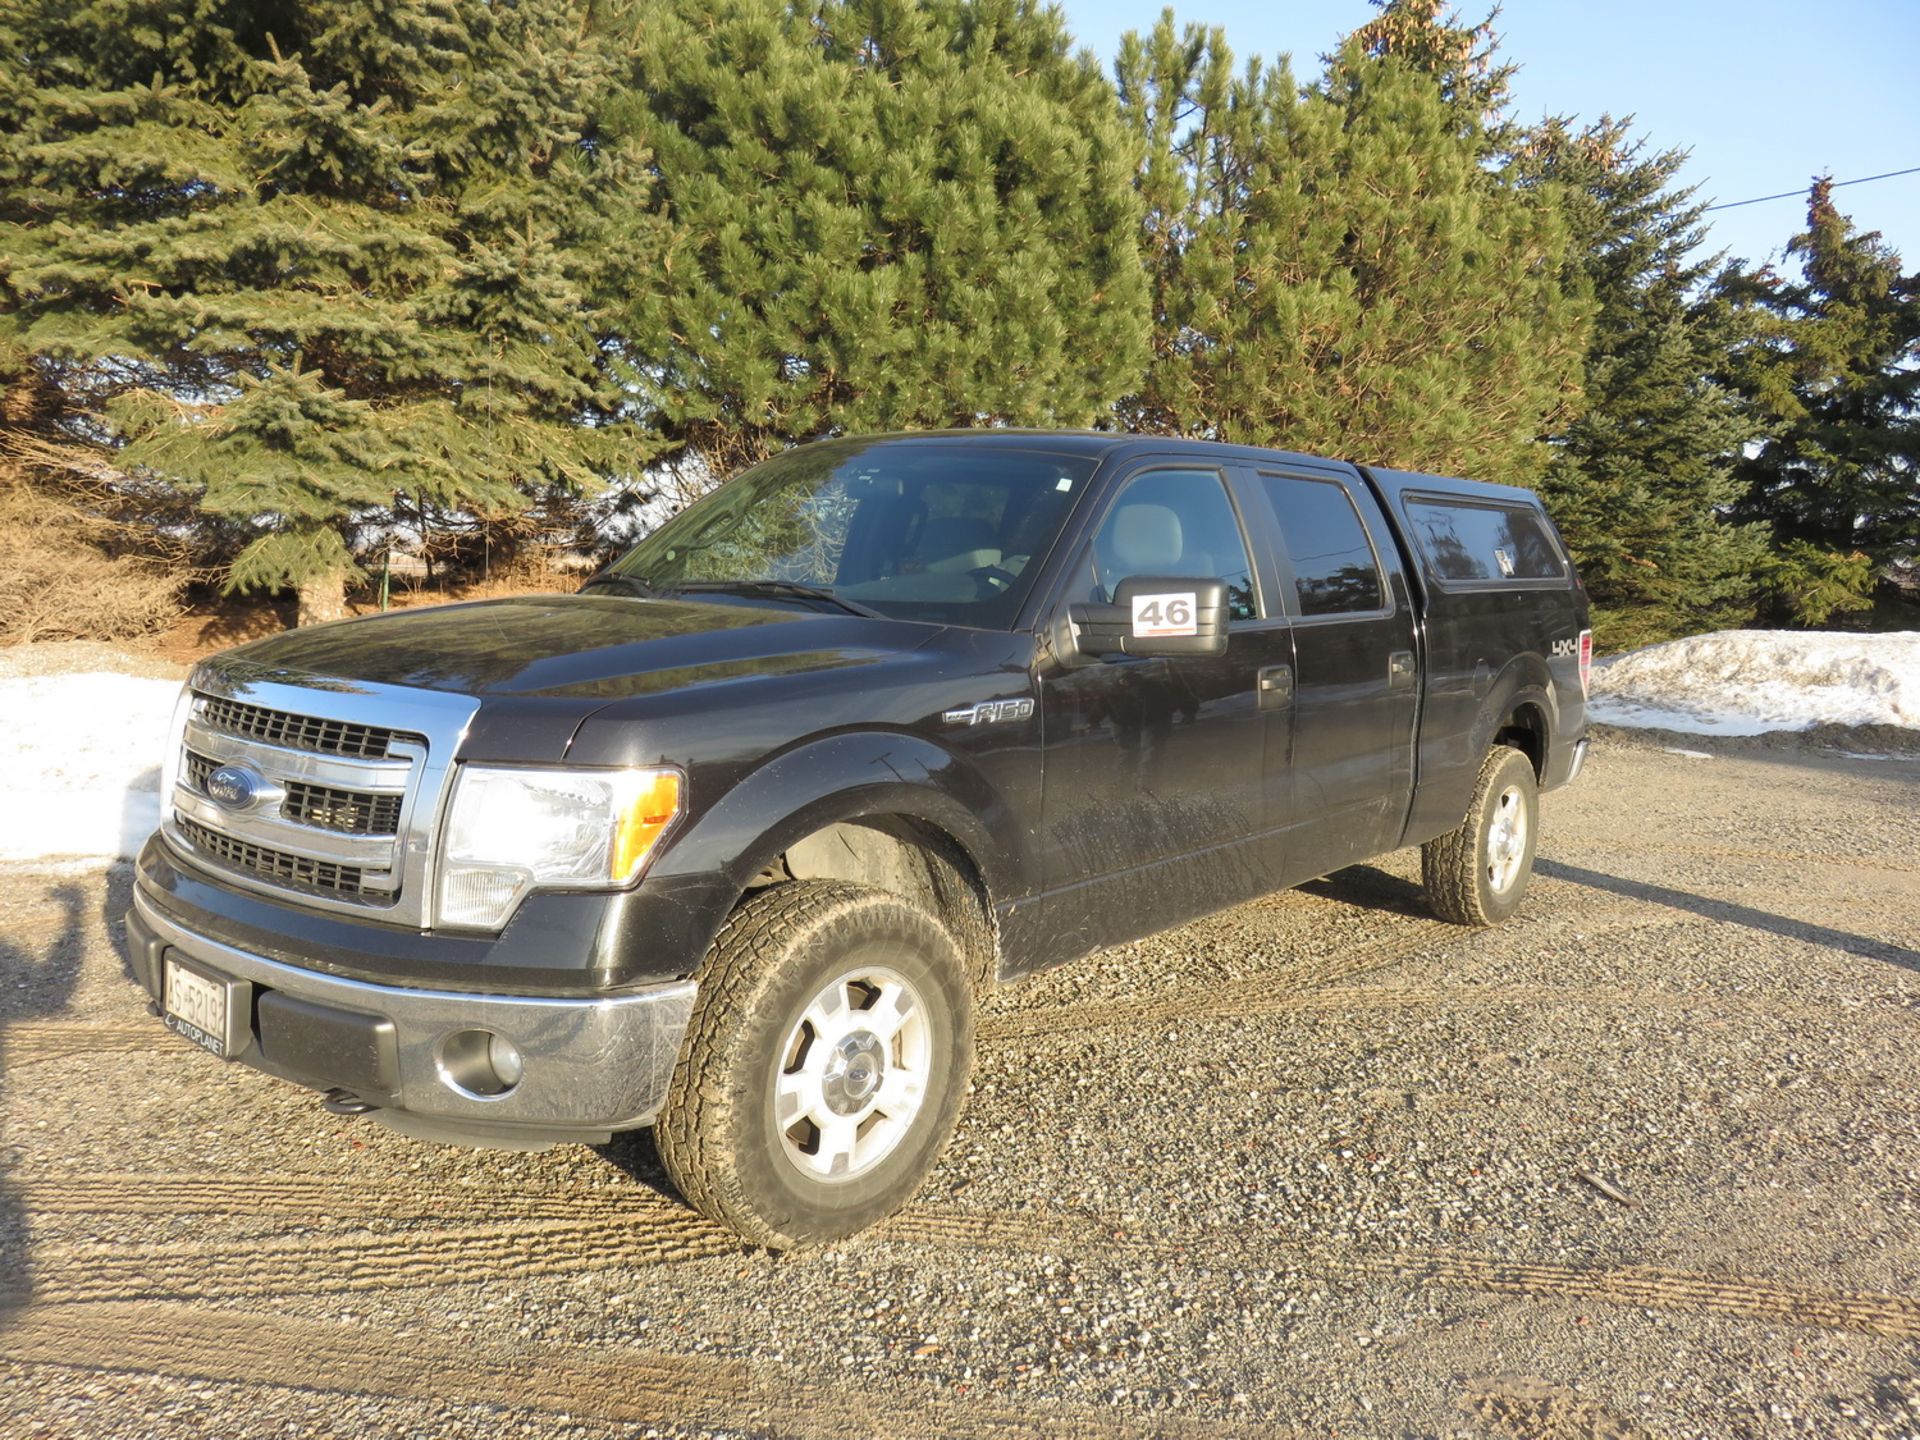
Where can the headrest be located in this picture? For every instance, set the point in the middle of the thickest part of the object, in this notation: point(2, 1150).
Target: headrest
point(1145, 538)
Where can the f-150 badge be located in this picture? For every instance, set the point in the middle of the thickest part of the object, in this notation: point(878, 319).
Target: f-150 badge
point(988, 711)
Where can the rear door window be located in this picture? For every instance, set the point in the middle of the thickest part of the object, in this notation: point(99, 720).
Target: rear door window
point(1470, 540)
point(1335, 571)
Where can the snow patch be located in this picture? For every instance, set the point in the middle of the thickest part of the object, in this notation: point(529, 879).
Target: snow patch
point(80, 777)
point(1747, 682)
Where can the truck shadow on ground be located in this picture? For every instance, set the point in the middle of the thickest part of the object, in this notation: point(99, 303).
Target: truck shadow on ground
point(1732, 913)
point(1371, 888)
point(633, 1153)
point(40, 981)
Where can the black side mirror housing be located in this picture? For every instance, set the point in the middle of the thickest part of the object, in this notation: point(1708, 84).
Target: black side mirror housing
point(1152, 615)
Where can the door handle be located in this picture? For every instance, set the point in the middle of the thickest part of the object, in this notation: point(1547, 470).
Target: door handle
point(1276, 686)
point(1399, 669)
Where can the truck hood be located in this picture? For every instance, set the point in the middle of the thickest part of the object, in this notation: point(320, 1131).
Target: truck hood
point(594, 648)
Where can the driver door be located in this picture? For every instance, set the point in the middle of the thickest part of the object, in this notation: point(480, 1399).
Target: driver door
point(1155, 800)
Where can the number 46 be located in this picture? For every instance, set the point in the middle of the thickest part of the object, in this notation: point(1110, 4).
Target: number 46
point(1174, 611)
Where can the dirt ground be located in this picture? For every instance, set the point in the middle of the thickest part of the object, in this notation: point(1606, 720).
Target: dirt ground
point(1645, 1161)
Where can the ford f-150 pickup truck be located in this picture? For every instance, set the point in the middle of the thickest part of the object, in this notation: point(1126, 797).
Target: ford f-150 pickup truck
point(732, 842)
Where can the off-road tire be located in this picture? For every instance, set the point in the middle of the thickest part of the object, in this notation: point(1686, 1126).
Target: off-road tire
point(1455, 867)
point(716, 1132)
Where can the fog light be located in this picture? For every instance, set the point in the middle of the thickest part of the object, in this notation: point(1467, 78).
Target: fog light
point(506, 1062)
point(480, 1063)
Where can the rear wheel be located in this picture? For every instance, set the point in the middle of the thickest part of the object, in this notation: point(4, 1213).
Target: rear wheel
point(1477, 873)
point(824, 1067)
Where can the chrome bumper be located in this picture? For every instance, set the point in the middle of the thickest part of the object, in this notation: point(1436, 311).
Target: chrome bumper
point(589, 1064)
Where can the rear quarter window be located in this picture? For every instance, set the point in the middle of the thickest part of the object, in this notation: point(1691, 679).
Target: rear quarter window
point(1473, 540)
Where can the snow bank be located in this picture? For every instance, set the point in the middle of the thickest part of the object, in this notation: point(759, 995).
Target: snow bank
point(80, 764)
point(1746, 682)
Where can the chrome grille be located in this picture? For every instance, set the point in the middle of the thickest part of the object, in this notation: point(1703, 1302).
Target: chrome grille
point(299, 732)
point(275, 865)
point(349, 811)
point(347, 780)
point(196, 769)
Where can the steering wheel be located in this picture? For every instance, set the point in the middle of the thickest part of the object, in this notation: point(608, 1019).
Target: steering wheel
point(994, 578)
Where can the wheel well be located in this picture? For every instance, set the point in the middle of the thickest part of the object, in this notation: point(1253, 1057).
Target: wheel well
point(910, 858)
point(1526, 731)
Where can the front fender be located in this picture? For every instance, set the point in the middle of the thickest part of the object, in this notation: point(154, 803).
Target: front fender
point(678, 909)
point(843, 777)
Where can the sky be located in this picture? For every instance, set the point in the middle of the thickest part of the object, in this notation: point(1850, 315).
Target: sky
point(1764, 94)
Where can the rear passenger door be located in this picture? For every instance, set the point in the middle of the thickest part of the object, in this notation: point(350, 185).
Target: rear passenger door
point(1356, 679)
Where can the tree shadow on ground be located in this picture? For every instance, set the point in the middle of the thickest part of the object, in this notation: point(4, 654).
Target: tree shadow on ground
point(40, 979)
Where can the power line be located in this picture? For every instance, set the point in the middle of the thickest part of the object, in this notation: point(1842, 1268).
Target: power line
point(1796, 194)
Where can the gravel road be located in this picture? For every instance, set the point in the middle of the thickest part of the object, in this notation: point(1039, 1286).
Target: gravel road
point(1644, 1161)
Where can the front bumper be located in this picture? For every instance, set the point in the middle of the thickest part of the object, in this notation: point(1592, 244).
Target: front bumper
point(592, 1066)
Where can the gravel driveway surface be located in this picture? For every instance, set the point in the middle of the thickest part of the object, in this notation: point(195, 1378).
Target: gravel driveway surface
point(1645, 1161)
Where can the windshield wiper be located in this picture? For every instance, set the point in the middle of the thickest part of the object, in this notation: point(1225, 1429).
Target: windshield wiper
point(780, 587)
point(614, 580)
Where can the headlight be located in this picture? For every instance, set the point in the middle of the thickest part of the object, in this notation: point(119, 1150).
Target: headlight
point(170, 759)
point(510, 831)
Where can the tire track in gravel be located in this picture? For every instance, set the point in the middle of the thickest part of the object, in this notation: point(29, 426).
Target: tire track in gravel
point(1718, 852)
point(605, 1233)
point(633, 1387)
point(29, 1041)
point(317, 1197)
point(1252, 994)
point(1299, 985)
point(1244, 1000)
point(1525, 1407)
point(1635, 1286)
point(363, 1260)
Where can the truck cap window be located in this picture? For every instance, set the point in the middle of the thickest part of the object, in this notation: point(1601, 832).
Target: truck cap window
point(1470, 540)
point(1175, 522)
point(1334, 568)
point(912, 529)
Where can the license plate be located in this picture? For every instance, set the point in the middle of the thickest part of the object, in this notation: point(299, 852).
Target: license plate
point(197, 1007)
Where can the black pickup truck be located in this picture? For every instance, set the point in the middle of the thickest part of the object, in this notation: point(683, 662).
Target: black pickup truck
point(732, 842)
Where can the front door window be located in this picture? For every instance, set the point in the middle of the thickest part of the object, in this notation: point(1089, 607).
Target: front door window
point(1175, 522)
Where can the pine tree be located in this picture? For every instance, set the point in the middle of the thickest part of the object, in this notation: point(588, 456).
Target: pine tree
point(1834, 378)
point(883, 213)
point(305, 259)
point(1338, 270)
point(1464, 60)
point(1642, 482)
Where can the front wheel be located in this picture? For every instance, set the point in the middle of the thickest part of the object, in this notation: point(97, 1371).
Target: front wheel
point(824, 1067)
point(1477, 873)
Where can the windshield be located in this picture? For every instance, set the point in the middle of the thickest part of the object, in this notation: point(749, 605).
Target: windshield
point(913, 530)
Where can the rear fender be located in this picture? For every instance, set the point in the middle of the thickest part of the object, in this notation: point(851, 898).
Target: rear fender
point(1525, 681)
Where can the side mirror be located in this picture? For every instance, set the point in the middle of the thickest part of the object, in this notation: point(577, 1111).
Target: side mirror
point(1152, 615)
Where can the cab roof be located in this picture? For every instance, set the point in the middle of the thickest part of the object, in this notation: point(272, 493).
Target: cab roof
point(1120, 445)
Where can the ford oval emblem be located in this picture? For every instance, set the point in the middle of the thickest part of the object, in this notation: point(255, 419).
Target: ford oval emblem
point(235, 787)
